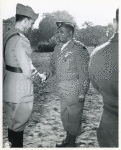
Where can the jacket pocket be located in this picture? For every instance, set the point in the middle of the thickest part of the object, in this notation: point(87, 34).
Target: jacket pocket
point(24, 91)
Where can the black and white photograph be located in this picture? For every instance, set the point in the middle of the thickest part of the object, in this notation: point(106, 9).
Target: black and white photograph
point(60, 73)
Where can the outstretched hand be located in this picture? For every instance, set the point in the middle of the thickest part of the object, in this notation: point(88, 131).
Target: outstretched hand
point(42, 76)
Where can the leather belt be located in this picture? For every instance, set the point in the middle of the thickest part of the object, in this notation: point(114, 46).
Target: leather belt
point(13, 69)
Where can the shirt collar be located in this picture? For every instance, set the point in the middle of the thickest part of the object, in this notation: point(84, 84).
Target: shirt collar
point(64, 45)
point(22, 35)
point(20, 32)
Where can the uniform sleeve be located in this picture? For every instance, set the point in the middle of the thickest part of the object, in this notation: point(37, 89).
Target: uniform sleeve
point(82, 59)
point(48, 70)
point(21, 53)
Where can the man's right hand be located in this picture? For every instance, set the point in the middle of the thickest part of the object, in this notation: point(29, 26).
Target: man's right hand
point(43, 76)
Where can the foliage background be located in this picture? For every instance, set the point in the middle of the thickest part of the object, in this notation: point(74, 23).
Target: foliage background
point(43, 39)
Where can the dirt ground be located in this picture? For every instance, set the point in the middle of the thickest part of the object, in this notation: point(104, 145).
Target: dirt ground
point(45, 128)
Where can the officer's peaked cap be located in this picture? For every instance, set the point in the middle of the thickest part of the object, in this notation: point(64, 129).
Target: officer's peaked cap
point(26, 11)
point(62, 24)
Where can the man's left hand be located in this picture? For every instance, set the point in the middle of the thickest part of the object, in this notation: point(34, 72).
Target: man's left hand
point(81, 98)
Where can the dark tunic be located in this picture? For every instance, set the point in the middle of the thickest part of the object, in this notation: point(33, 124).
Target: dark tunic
point(71, 68)
point(103, 70)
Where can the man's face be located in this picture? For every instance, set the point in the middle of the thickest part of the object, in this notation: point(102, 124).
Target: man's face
point(28, 24)
point(62, 34)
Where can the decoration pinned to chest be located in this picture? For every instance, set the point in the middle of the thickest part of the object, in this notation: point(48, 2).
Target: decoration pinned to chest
point(67, 55)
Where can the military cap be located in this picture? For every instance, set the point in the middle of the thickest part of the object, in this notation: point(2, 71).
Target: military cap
point(61, 24)
point(26, 11)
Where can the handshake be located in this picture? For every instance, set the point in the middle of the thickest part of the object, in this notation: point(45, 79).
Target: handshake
point(35, 73)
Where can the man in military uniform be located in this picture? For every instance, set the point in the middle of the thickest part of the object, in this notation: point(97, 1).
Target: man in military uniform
point(69, 62)
point(18, 85)
point(103, 70)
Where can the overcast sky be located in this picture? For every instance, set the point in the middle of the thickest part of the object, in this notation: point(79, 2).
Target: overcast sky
point(99, 12)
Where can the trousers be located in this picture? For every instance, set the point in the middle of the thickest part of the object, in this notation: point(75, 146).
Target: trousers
point(71, 116)
point(18, 114)
point(71, 108)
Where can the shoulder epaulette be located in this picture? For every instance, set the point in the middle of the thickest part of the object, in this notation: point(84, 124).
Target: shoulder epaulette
point(78, 43)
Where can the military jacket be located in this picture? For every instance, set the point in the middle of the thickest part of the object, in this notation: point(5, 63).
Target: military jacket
point(103, 70)
point(71, 64)
point(18, 87)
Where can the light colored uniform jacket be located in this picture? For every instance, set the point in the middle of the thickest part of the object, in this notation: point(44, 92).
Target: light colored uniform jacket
point(18, 87)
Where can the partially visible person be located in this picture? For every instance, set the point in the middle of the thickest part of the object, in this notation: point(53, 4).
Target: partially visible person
point(18, 85)
point(103, 70)
point(69, 62)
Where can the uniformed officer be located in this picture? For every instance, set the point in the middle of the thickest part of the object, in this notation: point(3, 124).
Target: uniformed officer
point(103, 70)
point(18, 86)
point(69, 62)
